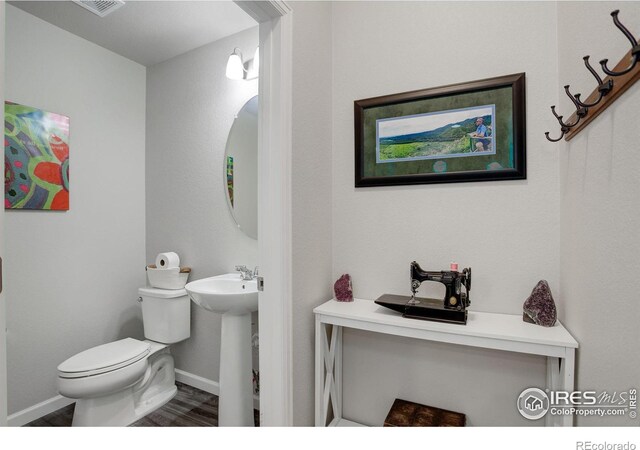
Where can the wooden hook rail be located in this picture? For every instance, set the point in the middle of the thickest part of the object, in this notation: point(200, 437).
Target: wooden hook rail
point(622, 83)
point(618, 80)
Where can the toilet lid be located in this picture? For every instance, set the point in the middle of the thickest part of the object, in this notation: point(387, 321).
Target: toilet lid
point(104, 358)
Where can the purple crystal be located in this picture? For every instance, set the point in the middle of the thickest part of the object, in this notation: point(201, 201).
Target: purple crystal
point(342, 289)
point(540, 308)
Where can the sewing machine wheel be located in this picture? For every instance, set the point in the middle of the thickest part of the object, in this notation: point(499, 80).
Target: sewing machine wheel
point(467, 282)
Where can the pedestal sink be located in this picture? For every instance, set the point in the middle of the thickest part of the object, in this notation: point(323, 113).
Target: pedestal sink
point(235, 299)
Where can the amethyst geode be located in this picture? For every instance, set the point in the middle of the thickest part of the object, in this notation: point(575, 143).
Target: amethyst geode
point(540, 308)
point(342, 289)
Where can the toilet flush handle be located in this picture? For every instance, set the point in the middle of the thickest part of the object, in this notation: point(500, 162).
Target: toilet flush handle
point(139, 299)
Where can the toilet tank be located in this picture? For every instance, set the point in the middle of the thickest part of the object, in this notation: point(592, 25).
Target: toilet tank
point(165, 314)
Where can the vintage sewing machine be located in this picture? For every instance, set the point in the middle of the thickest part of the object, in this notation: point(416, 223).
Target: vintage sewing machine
point(453, 308)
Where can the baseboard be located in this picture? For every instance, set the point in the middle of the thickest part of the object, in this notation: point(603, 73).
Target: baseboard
point(205, 384)
point(36, 411)
point(55, 403)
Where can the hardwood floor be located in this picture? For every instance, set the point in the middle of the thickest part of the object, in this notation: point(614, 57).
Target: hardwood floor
point(59, 418)
point(190, 407)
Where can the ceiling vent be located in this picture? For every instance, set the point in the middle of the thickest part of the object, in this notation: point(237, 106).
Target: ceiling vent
point(100, 7)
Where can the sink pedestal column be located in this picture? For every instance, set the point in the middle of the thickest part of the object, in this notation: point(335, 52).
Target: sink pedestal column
point(236, 385)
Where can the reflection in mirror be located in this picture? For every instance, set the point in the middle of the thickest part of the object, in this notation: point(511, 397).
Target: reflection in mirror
point(241, 169)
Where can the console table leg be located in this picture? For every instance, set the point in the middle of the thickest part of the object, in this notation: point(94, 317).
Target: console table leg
point(319, 415)
point(553, 383)
point(328, 373)
point(337, 372)
point(567, 379)
point(560, 377)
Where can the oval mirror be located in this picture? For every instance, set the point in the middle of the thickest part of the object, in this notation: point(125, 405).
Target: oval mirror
point(241, 169)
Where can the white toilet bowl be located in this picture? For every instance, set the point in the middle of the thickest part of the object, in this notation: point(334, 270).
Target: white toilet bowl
point(117, 383)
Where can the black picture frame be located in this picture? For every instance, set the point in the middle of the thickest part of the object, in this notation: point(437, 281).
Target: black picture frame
point(494, 153)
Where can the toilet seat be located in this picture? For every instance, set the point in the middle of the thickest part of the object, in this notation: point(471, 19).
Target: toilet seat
point(104, 358)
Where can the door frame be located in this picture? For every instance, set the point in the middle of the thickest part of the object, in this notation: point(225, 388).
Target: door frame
point(274, 209)
point(3, 310)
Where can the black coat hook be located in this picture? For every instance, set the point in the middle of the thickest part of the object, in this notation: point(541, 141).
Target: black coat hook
point(566, 125)
point(603, 88)
point(563, 130)
point(635, 49)
point(581, 111)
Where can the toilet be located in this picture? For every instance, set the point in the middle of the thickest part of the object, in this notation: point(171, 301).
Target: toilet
point(117, 383)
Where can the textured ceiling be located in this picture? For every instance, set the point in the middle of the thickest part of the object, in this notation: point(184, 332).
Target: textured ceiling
point(147, 32)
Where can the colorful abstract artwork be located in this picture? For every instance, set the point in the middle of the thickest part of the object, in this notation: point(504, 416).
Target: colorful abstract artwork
point(36, 159)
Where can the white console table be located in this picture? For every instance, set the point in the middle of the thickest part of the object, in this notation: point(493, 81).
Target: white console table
point(487, 330)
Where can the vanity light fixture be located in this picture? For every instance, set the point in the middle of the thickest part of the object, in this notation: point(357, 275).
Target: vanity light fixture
point(239, 70)
point(235, 68)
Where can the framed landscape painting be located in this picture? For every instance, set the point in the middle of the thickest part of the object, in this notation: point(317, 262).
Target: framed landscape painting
point(465, 132)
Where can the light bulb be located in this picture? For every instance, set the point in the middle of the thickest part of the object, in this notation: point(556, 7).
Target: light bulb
point(235, 69)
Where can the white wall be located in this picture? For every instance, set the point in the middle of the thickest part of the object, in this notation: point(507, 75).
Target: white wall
point(3, 347)
point(508, 232)
point(72, 277)
point(311, 190)
point(599, 204)
point(190, 109)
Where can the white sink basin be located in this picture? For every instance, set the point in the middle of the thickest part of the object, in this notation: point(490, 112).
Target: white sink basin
point(227, 293)
point(235, 299)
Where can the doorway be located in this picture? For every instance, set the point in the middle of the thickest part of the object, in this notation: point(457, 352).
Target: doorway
point(275, 143)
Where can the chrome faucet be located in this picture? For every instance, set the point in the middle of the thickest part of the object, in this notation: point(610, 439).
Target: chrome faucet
point(247, 274)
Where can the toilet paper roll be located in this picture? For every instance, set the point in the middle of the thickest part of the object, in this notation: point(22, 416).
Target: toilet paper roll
point(167, 260)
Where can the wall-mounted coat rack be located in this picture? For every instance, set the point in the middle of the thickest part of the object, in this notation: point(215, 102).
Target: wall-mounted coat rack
point(618, 80)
